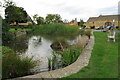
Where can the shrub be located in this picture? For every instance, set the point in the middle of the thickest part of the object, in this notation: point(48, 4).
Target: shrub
point(70, 55)
point(82, 31)
point(88, 33)
point(117, 27)
point(14, 65)
point(6, 35)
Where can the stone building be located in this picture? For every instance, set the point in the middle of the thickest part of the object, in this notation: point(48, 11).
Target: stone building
point(103, 20)
point(74, 22)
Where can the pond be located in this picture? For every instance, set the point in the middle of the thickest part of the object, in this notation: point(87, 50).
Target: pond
point(39, 48)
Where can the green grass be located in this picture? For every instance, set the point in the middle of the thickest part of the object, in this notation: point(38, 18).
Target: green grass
point(56, 29)
point(19, 29)
point(104, 60)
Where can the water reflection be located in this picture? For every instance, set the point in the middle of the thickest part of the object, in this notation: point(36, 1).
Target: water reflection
point(39, 48)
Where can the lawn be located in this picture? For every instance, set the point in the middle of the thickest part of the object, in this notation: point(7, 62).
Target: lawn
point(19, 29)
point(104, 59)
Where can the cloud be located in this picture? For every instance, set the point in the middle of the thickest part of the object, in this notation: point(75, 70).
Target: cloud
point(69, 9)
point(109, 10)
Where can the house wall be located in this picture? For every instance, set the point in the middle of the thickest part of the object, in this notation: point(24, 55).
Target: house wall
point(100, 23)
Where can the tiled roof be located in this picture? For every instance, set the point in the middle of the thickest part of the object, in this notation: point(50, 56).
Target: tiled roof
point(92, 19)
point(104, 18)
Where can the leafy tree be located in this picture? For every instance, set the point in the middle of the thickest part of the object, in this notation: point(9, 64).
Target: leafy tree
point(15, 14)
point(6, 35)
point(40, 20)
point(53, 18)
point(81, 23)
point(35, 17)
point(8, 3)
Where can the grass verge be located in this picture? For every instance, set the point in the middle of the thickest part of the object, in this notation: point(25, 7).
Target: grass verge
point(103, 62)
point(13, 30)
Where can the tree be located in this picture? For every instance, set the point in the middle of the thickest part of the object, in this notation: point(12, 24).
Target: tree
point(15, 14)
point(35, 18)
point(8, 3)
point(81, 23)
point(6, 35)
point(40, 20)
point(53, 18)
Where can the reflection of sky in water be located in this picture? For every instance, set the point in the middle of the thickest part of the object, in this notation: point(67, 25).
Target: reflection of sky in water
point(40, 50)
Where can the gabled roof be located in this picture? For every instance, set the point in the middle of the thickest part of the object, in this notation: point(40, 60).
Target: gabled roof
point(92, 19)
point(108, 18)
point(104, 18)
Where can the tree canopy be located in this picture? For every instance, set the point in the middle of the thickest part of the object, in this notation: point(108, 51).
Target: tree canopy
point(81, 23)
point(53, 18)
point(15, 14)
point(38, 19)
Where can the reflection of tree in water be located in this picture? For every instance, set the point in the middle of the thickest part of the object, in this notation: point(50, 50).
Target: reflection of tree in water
point(19, 44)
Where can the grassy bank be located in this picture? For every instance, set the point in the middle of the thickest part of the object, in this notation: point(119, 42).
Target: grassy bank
point(13, 65)
point(19, 29)
point(56, 29)
point(104, 60)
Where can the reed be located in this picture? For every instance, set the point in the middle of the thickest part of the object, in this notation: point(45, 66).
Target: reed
point(13, 65)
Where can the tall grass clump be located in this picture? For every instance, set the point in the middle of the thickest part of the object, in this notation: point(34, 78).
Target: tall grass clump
point(66, 57)
point(56, 29)
point(88, 33)
point(70, 55)
point(13, 65)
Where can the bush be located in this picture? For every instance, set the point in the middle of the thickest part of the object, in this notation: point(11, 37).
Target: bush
point(56, 29)
point(82, 31)
point(88, 33)
point(6, 35)
point(14, 65)
point(70, 55)
point(117, 27)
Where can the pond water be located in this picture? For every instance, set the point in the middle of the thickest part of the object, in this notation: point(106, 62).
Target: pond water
point(38, 47)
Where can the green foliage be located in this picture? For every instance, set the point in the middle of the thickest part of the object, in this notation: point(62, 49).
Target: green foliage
point(82, 31)
point(6, 35)
point(104, 59)
point(19, 29)
point(53, 18)
point(81, 23)
point(38, 19)
point(88, 33)
point(56, 29)
point(13, 65)
point(52, 61)
point(15, 14)
point(8, 3)
point(70, 55)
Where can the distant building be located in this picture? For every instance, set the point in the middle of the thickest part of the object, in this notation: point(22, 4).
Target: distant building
point(74, 22)
point(103, 20)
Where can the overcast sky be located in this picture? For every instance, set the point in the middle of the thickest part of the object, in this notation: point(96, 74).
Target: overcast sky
point(69, 9)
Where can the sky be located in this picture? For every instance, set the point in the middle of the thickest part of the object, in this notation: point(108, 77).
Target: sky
point(69, 9)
